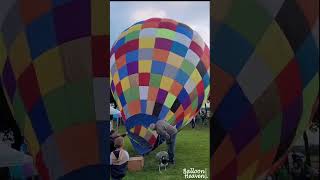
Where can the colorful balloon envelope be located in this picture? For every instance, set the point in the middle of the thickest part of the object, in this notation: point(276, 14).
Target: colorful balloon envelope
point(159, 71)
point(54, 72)
point(266, 80)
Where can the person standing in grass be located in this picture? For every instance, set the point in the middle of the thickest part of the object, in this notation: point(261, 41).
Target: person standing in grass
point(168, 132)
point(193, 122)
point(119, 159)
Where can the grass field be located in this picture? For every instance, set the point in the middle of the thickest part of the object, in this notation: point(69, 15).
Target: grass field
point(192, 151)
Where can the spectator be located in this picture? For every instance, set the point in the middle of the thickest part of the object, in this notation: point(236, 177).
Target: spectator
point(119, 160)
point(113, 136)
point(193, 123)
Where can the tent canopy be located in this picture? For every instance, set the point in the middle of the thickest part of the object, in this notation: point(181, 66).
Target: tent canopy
point(114, 112)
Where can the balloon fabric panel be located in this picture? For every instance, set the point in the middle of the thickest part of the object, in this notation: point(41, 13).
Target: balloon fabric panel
point(54, 67)
point(158, 67)
point(263, 83)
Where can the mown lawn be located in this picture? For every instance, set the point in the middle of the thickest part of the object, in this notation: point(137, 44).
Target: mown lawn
point(192, 151)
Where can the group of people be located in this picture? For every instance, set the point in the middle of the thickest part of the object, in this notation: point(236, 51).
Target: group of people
point(119, 157)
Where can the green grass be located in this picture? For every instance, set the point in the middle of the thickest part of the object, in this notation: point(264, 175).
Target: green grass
point(192, 151)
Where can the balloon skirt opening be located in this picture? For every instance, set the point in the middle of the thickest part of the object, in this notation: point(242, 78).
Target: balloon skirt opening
point(133, 124)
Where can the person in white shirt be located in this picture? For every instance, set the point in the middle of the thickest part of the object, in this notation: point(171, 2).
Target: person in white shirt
point(119, 159)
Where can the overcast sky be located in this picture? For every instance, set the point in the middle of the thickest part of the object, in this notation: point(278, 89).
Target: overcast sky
point(194, 14)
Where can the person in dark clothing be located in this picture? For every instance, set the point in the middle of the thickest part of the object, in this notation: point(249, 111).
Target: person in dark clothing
point(168, 132)
point(113, 136)
point(193, 123)
point(119, 160)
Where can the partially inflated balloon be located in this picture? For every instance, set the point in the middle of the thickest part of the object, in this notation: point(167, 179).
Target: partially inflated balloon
point(159, 71)
point(54, 69)
point(266, 69)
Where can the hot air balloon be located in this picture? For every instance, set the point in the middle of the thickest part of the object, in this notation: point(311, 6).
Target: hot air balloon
point(54, 73)
point(159, 71)
point(266, 68)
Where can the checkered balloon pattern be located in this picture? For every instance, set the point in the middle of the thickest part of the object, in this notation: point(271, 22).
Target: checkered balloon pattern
point(266, 81)
point(54, 74)
point(159, 71)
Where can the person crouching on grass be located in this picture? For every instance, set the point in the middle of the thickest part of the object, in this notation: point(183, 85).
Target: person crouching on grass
point(168, 132)
point(119, 159)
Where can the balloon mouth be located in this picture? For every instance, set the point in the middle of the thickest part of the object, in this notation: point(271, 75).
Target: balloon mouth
point(140, 145)
point(140, 119)
point(142, 138)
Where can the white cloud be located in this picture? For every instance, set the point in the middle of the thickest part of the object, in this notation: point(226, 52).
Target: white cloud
point(203, 31)
point(179, 5)
point(147, 13)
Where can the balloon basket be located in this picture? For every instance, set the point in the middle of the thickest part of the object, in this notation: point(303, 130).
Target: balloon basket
point(135, 164)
